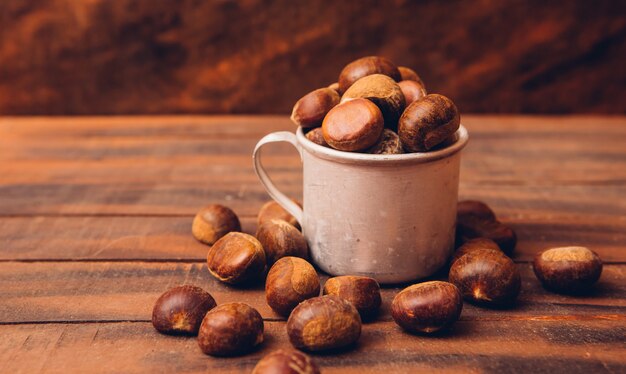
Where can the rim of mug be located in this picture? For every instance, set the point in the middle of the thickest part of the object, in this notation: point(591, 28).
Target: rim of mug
point(331, 154)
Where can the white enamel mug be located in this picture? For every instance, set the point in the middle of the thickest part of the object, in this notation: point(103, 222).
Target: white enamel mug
point(389, 217)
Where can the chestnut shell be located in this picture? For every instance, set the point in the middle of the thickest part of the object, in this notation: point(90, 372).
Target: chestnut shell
point(486, 277)
point(286, 361)
point(280, 239)
point(289, 282)
point(362, 292)
point(568, 270)
point(230, 329)
point(236, 258)
point(180, 310)
point(427, 307)
point(213, 222)
point(324, 323)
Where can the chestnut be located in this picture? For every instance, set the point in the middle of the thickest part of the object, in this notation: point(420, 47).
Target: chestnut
point(475, 208)
point(408, 74)
point(365, 66)
point(474, 244)
point(362, 292)
point(427, 122)
point(323, 323)
point(273, 210)
point(486, 277)
point(471, 227)
point(427, 307)
point(290, 281)
point(316, 136)
point(180, 310)
point(280, 239)
point(382, 91)
point(236, 258)
point(286, 361)
point(412, 91)
point(311, 109)
point(230, 329)
point(568, 270)
point(335, 86)
point(354, 125)
point(213, 222)
point(388, 144)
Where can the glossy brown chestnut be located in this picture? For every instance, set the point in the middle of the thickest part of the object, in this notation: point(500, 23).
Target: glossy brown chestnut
point(382, 91)
point(317, 136)
point(362, 292)
point(213, 222)
point(280, 239)
point(324, 323)
point(476, 244)
point(230, 329)
point(475, 208)
point(568, 270)
point(289, 282)
point(365, 66)
point(353, 126)
point(408, 74)
point(273, 210)
point(486, 277)
point(427, 122)
point(427, 307)
point(236, 258)
point(311, 109)
point(180, 310)
point(412, 91)
point(388, 144)
point(472, 227)
point(286, 361)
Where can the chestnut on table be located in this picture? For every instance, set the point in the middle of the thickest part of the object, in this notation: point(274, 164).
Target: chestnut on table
point(84, 261)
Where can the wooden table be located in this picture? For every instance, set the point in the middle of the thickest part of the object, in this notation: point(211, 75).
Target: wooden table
point(95, 217)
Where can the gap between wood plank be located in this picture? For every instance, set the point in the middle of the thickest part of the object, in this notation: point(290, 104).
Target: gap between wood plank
point(573, 317)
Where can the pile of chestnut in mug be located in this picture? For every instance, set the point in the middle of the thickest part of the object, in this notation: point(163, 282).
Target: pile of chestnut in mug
point(377, 108)
point(481, 272)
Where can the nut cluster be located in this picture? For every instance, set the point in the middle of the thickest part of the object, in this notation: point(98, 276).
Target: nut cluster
point(378, 108)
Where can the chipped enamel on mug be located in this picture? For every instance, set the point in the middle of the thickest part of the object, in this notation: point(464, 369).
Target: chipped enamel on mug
point(389, 217)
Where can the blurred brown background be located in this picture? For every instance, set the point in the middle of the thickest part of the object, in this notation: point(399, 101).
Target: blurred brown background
point(149, 56)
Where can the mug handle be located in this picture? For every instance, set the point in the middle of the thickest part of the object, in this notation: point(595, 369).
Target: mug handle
point(281, 198)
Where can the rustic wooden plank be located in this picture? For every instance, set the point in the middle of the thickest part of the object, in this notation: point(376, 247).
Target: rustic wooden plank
point(493, 156)
point(113, 291)
point(168, 238)
point(471, 346)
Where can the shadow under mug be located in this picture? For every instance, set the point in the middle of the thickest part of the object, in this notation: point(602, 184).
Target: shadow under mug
point(389, 217)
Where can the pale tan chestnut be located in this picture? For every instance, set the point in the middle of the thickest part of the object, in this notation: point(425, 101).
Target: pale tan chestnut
point(427, 122)
point(311, 109)
point(354, 125)
point(290, 281)
point(382, 91)
point(236, 258)
point(365, 66)
point(280, 239)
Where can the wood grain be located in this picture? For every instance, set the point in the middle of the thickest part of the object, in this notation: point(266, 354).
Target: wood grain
point(126, 291)
point(522, 346)
point(163, 238)
point(138, 56)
